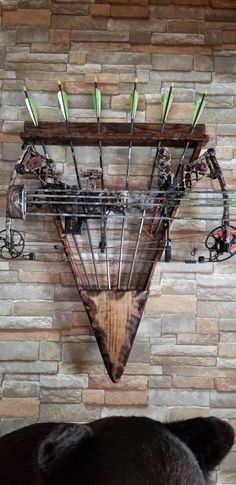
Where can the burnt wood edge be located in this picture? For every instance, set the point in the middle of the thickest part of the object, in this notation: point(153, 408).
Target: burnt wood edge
point(113, 134)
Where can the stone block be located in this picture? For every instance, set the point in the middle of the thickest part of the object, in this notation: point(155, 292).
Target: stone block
point(222, 399)
point(177, 12)
point(225, 64)
point(66, 293)
point(64, 381)
point(228, 337)
point(8, 277)
point(133, 11)
point(197, 339)
point(139, 38)
point(10, 151)
point(178, 287)
point(19, 407)
point(5, 307)
point(213, 37)
point(203, 63)
point(118, 58)
point(21, 291)
point(227, 350)
point(102, 10)
point(149, 327)
point(197, 371)
point(160, 382)
point(20, 389)
point(32, 308)
point(223, 3)
point(178, 397)
point(32, 34)
point(179, 413)
point(81, 368)
point(34, 4)
point(21, 322)
point(77, 57)
point(180, 304)
point(93, 397)
point(177, 39)
point(228, 324)
point(70, 8)
point(7, 37)
point(142, 369)
point(229, 36)
point(140, 352)
point(76, 22)
point(194, 350)
point(216, 294)
point(81, 352)
point(11, 18)
point(62, 320)
point(34, 277)
point(218, 309)
point(60, 396)
point(28, 367)
point(126, 383)
point(99, 36)
point(207, 326)
point(183, 360)
point(60, 36)
point(193, 382)
point(183, 26)
point(192, 76)
point(153, 412)
point(171, 62)
point(9, 113)
point(9, 425)
point(225, 384)
point(71, 413)
point(30, 335)
point(50, 351)
point(219, 14)
point(177, 324)
point(129, 398)
point(19, 350)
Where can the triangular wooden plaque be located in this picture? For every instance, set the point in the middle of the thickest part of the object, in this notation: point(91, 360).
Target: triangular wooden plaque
point(115, 317)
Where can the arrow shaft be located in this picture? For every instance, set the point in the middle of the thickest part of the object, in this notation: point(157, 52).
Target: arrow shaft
point(133, 107)
point(195, 119)
point(164, 119)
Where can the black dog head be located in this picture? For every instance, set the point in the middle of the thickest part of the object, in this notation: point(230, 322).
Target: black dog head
point(134, 451)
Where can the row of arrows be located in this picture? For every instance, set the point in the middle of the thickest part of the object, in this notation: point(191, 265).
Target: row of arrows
point(97, 105)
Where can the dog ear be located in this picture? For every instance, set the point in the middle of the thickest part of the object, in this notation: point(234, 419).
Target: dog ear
point(58, 450)
point(210, 439)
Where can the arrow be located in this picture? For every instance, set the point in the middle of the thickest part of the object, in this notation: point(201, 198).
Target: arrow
point(32, 109)
point(166, 104)
point(63, 102)
point(133, 108)
point(199, 106)
point(97, 104)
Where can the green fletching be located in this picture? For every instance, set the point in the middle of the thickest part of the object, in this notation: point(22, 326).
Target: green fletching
point(166, 104)
point(199, 106)
point(97, 102)
point(31, 105)
point(63, 101)
point(133, 103)
point(196, 111)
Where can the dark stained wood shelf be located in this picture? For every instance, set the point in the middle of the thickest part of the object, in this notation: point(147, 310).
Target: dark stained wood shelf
point(114, 134)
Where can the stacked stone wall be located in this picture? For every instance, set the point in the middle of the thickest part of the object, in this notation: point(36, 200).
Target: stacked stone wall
point(183, 361)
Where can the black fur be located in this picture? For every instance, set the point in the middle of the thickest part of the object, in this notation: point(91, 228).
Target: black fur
point(115, 451)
